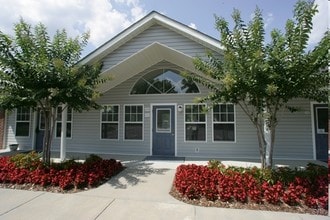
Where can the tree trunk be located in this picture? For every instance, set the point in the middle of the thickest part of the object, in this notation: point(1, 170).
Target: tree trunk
point(270, 140)
point(46, 147)
point(262, 148)
point(50, 117)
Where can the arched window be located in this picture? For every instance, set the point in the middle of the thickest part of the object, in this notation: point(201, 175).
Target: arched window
point(164, 81)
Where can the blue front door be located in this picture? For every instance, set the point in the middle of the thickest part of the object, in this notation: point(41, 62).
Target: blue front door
point(321, 131)
point(163, 127)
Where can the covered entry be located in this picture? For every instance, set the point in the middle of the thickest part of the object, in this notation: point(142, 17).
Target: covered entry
point(163, 130)
point(321, 131)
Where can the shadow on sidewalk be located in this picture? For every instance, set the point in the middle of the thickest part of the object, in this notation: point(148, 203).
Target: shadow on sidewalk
point(135, 172)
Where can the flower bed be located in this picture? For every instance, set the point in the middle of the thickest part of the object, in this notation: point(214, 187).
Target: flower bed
point(28, 169)
point(282, 186)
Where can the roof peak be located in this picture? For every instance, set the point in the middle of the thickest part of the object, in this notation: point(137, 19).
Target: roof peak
point(153, 17)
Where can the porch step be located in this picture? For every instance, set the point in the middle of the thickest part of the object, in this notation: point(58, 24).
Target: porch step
point(163, 158)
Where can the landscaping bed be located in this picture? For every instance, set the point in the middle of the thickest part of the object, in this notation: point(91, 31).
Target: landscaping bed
point(26, 171)
point(281, 189)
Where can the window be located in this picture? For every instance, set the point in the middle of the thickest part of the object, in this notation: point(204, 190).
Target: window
point(110, 122)
point(164, 81)
point(224, 122)
point(59, 122)
point(163, 121)
point(42, 121)
point(133, 122)
point(322, 120)
point(195, 122)
point(23, 122)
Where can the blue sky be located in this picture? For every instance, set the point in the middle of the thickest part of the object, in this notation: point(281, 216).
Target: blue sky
point(106, 18)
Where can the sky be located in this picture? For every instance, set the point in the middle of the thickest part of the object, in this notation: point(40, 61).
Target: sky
point(106, 18)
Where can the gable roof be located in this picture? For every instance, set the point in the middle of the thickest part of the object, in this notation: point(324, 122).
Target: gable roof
point(143, 59)
point(149, 20)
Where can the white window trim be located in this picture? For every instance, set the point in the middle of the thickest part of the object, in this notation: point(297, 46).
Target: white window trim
point(118, 122)
point(169, 94)
point(56, 122)
point(184, 133)
point(235, 138)
point(134, 122)
point(23, 121)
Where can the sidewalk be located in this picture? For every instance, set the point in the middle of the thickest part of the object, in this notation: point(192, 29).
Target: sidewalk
point(139, 192)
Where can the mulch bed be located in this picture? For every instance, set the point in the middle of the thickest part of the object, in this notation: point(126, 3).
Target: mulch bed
point(32, 187)
point(302, 209)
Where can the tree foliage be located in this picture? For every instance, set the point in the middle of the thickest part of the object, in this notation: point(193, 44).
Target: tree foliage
point(43, 73)
point(263, 77)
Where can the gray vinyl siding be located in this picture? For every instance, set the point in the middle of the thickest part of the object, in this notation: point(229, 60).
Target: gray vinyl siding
point(158, 34)
point(294, 137)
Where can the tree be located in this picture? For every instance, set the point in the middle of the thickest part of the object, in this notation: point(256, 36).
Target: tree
point(43, 73)
point(262, 77)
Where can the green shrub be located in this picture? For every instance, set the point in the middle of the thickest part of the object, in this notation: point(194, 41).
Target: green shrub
point(30, 161)
point(93, 158)
point(285, 175)
point(66, 165)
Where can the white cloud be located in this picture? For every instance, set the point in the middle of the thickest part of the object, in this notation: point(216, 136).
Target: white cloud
point(320, 21)
point(192, 25)
point(103, 18)
point(269, 19)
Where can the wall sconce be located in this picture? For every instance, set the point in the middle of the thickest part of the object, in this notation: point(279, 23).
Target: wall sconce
point(180, 108)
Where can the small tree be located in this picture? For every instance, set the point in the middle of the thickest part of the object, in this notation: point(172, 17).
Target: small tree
point(262, 78)
point(42, 73)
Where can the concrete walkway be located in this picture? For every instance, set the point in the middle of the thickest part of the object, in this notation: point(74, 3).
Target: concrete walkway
point(139, 192)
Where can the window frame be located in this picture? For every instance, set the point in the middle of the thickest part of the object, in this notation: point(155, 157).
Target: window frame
point(185, 123)
point(57, 122)
point(23, 121)
point(165, 131)
point(164, 70)
point(133, 122)
point(224, 122)
point(109, 122)
point(320, 131)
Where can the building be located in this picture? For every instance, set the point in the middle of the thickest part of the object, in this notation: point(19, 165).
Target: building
point(150, 109)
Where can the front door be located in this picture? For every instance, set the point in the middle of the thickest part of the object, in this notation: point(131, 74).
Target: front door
point(163, 130)
point(321, 131)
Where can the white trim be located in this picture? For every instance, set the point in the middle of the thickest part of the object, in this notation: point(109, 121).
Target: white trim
point(118, 122)
point(143, 59)
point(152, 105)
point(154, 94)
point(124, 122)
point(317, 121)
point(235, 119)
point(142, 25)
point(56, 121)
point(184, 124)
point(28, 136)
point(312, 103)
point(313, 128)
point(5, 132)
point(34, 127)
